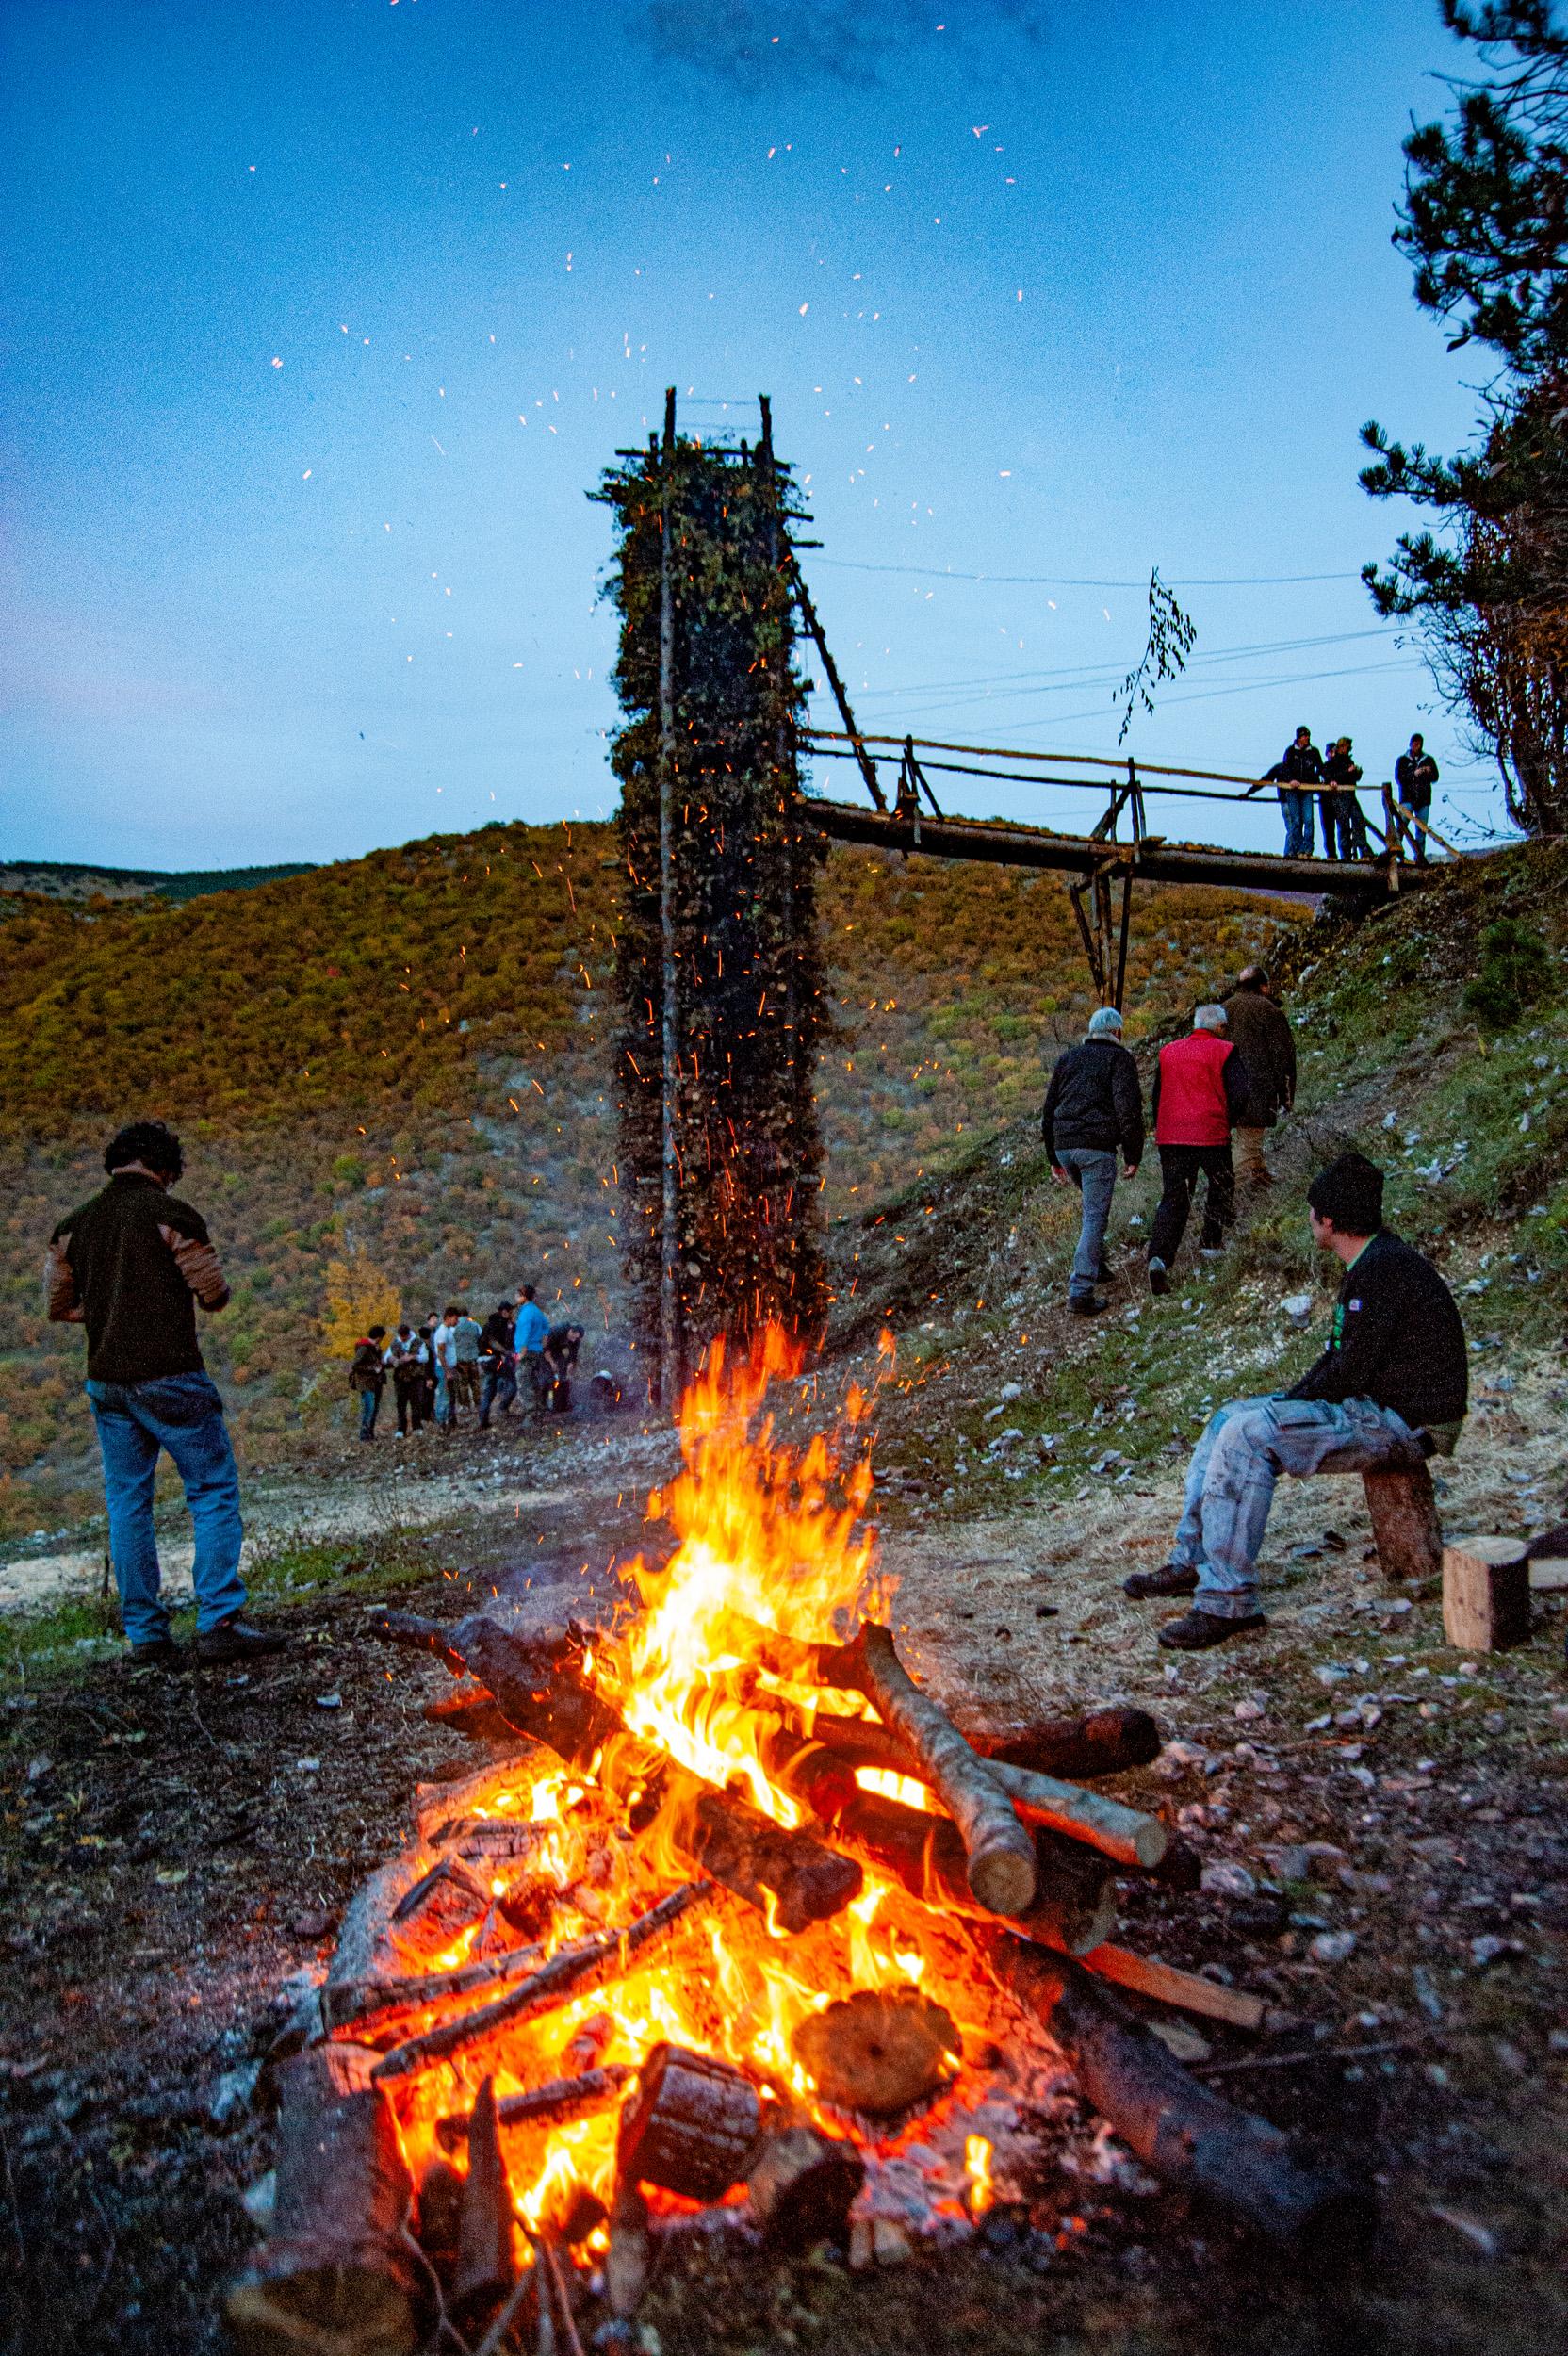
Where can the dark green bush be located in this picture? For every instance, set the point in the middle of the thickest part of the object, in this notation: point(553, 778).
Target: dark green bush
point(1515, 970)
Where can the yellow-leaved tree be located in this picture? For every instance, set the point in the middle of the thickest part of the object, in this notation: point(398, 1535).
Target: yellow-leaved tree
point(358, 1297)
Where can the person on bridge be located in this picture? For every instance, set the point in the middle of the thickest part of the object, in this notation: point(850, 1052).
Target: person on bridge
point(1258, 1030)
point(1415, 773)
point(1093, 1112)
point(1344, 830)
point(1297, 771)
point(1201, 1088)
point(1391, 1387)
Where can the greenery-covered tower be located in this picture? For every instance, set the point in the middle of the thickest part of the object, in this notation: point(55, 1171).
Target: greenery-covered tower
point(719, 962)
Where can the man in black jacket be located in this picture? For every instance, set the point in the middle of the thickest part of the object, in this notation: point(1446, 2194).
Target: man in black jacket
point(1264, 1040)
point(132, 1266)
point(1093, 1111)
point(1391, 1387)
point(1299, 767)
point(1415, 773)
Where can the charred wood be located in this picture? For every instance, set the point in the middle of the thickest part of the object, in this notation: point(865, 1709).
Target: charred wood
point(570, 1971)
point(692, 2125)
point(557, 2099)
point(1187, 2134)
point(486, 2258)
point(802, 2184)
point(337, 2276)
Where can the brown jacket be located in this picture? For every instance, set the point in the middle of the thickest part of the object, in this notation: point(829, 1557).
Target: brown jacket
point(1266, 1045)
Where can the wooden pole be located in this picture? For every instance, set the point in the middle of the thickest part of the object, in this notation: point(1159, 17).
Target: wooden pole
point(809, 615)
point(670, 1354)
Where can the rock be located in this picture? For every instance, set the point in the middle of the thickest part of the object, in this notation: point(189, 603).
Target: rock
point(230, 2098)
point(1253, 1708)
point(1224, 1878)
point(1293, 1863)
point(1333, 1947)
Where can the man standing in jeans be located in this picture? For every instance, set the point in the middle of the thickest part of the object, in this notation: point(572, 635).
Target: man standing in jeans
point(131, 1265)
point(1391, 1388)
point(1199, 1089)
point(1298, 769)
point(1093, 1111)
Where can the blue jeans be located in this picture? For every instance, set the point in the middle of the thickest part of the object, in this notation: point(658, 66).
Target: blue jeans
point(1231, 1481)
point(183, 1413)
point(446, 1413)
point(1296, 804)
point(501, 1389)
point(1093, 1172)
point(370, 1404)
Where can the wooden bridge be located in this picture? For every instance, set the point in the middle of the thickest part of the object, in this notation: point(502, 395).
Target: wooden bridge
point(1097, 862)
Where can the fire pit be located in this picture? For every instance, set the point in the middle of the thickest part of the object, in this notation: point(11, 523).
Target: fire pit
point(745, 1931)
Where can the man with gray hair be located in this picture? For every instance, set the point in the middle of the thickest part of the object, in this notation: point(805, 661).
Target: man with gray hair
point(1200, 1090)
point(1093, 1112)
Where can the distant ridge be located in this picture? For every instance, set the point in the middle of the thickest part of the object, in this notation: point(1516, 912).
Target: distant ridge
point(64, 879)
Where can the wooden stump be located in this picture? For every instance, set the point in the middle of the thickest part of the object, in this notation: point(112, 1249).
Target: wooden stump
point(1486, 1594)
point(690, 2126)
point(337, 2277)
point(802, 2184)
point(1405, 1526)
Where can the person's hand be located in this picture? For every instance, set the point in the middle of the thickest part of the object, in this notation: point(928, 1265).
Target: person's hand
point(1129, 1169)
point(1058, 1174)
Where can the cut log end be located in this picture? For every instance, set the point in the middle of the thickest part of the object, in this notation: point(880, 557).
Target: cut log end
point(802, 2184)
point(1002, 1878)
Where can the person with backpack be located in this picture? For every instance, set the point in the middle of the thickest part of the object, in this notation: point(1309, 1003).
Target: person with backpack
point(498, 1362)
point(1391, 1388)
point(1415, 773)
point(368, 1376)
point(1258, 1029)
point(405, 1357)
point(1200, 1090)
point(1093, 1113)
point(133, 1265)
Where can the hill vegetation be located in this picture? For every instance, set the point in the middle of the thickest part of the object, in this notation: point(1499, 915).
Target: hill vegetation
point(402, 1064)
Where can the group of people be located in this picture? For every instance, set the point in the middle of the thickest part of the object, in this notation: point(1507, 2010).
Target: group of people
point(1228, 1080)
point(451, 1363)
point(133, 1264)
point(1302, 770)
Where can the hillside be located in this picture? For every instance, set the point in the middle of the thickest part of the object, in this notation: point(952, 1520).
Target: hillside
point(399, 1060)
point(66, 879)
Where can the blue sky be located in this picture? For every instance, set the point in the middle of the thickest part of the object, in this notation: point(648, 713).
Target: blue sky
point(324, 318)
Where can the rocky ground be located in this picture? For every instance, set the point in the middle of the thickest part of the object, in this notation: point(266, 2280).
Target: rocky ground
point(1380, 1824)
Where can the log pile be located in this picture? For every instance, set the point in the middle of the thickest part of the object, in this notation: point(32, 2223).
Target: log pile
point(495, 2028)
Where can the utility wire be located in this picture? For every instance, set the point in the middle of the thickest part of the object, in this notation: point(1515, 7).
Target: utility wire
point(1064, 580)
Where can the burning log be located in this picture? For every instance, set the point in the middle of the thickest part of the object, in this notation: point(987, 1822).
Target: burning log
point(879, 2053)
point(1001, 1855)
point(1125, 1834)
point(442, 1904)
point(628, 2260)
point(487, 2257)
point(337, 2276)
point(1074, 1899)
point(471, 1711)
point(541, 1692)
point(802, 2184)
point(570, 1971)
point(557, 2099)
point(1187, 2134)
point(692, 2125)
point(361, 2001)
point(1103, 1743)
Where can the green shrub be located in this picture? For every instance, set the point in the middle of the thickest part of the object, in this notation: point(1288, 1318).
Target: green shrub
point(1515, 970)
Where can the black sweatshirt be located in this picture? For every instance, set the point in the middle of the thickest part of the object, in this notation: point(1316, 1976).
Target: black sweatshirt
point(1397, 1338)
point(131, 1265)
point(1094, 1103)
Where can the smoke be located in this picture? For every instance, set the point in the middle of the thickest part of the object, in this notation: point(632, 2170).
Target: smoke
point(752, 43)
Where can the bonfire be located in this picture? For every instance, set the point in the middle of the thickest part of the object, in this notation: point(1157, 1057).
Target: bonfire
point(743, 1932)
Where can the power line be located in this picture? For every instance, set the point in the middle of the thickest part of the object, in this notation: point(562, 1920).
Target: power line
point(1064, 581)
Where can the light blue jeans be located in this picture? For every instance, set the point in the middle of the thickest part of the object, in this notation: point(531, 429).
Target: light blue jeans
point(1094, 1174)
point(1235, 1464)
point(184, 1413)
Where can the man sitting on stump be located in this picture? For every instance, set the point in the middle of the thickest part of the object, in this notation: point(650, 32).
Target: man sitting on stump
point(1392, 1387)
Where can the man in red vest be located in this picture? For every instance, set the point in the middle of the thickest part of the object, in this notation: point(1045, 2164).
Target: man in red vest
point(1199, 1088)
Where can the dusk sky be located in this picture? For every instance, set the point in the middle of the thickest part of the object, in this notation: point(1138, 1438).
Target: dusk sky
point(323, 318)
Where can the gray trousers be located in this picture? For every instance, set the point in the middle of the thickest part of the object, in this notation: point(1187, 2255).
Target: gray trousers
point(1094, 1174)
